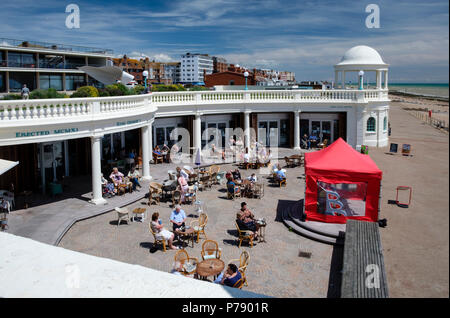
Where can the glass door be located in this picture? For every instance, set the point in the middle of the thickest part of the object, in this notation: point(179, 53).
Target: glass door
point(273, 134)
point(262, 133)
point(326, 131)
point(222, 134)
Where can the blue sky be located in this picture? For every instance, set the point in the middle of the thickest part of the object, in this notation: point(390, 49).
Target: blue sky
point(306, 37)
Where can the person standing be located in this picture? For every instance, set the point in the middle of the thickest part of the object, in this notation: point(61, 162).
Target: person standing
point(25, 92)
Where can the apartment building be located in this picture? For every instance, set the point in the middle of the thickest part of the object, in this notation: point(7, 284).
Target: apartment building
point(193, 66)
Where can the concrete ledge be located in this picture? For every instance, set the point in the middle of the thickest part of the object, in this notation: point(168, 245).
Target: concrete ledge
point(33, 269)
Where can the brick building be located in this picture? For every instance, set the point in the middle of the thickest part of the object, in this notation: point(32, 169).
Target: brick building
point(228, 78)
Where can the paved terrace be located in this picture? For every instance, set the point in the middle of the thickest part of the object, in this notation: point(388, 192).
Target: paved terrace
point(48, 222)
point(415, 242)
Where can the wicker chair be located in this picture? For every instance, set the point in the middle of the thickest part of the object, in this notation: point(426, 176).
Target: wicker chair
point(176, 197)
point(289, 162)
point(189, 264)
point(157, 241)
point(244, 235)
point(157, 158)
point(122, 214)
point(323, 144)
point(241, 282)
point(205, 181)
point(236, 191)
point(210, 249)
point(258, 192)
point(213, 172)
point(199, 225)
point(154, 196)
point(243, 263)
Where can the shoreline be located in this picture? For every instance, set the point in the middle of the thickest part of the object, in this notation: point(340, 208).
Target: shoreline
point(425, 96)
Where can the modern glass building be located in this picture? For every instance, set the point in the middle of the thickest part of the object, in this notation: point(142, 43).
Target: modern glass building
point(46, 65)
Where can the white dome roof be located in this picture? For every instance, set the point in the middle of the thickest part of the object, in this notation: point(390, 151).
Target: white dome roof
point(361, 55)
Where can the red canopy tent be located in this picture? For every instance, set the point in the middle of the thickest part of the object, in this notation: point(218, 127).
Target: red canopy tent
point(341, 184)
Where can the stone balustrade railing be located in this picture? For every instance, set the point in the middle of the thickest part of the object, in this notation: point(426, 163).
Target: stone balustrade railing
point(19, 110)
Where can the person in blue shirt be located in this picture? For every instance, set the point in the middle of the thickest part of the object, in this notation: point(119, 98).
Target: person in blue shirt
point(230, 277)
point(178, 218)
point(281, 175)
point(231, 186)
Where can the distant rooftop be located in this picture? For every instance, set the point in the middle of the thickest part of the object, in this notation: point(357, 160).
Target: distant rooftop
point(53, 46)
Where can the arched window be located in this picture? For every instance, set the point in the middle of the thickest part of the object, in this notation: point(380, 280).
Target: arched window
point(385, 123)
point(371, 124)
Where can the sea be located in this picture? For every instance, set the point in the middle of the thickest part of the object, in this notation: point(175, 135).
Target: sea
point(423, 89)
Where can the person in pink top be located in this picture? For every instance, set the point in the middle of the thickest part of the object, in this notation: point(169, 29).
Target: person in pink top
point(184, 186)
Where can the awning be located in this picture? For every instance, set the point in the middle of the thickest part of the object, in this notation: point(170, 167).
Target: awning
point(5, 165)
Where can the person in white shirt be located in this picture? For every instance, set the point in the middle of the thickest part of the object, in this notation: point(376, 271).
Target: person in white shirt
point(252, 178)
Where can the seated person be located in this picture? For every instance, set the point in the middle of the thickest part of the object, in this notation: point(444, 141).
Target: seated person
point(280, 174)
point(108, 187)
point(305, 141)
point(134, 175)
point(231, 186)
point(156, 150)
point(116, 176)
point(252, 178)
point(230, 277)
point(160, 231)
point(247, 218)
point(178, 218)
point(237, 175)
point(313, 140)
point(165, 148)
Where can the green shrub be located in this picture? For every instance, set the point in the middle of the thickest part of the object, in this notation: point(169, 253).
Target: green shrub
point(86, 91)
point(103, 93)
point(199, 88)
point(46, 94)
point(11, 97)
point(168, 88)
point(138, 89)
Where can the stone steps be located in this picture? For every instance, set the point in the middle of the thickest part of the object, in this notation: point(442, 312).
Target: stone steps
point(322, 232)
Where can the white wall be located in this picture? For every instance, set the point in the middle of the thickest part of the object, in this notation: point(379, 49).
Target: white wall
point(32, 269)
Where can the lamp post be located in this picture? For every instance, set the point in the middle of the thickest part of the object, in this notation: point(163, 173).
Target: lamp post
point(246, 75)
point(145, 75)
point(361, 81)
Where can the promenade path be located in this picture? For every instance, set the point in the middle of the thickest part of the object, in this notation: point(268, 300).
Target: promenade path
point(416, 239)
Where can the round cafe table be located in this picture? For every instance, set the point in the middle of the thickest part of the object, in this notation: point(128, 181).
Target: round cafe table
point(210, 267)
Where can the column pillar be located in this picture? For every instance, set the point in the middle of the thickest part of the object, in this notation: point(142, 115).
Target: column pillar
point(197, 133)
point(7, 81)
point(297, 130)
point(66, 157)
point(336, 79)
point(247, 129)
point(122, 139)
point(150, 136)
point(146, 152)
point(41, 161)
point(96, 171)
point(343, 80)
point(379, 80)
point(386, 79)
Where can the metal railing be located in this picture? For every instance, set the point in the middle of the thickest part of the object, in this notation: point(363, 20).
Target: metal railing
point(52, 46)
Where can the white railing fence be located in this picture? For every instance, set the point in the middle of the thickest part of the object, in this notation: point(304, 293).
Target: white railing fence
point(11, 110)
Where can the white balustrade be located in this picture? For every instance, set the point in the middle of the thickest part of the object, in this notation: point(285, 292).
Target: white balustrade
point(23, 110)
